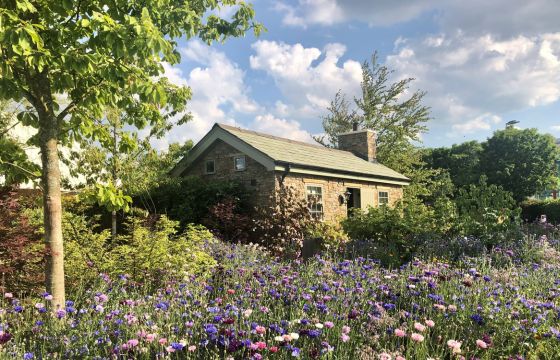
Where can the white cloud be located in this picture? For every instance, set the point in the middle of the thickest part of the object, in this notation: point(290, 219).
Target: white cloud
point(218, 88)
point(289, 129)
point(502, 17)
point(469, 79)
point(482, 122)
point(329, 12)
point(308, 78)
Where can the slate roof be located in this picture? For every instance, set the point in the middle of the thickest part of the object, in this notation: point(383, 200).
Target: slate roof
point(283, 150)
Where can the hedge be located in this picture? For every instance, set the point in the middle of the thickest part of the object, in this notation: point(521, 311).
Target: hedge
point(533, 209)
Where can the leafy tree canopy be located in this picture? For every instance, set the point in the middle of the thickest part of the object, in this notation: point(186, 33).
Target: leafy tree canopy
point(521, 161)
point(461, 161)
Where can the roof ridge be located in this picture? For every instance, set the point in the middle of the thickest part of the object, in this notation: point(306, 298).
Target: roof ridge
point(322, 147)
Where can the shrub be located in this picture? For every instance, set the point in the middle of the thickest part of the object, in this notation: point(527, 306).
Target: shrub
point(389, 233)
point(188, 200)
point(22, 252)
point(282, 223)
point(331, 235)
point(147, 254)
point(227, 222)
point(531, 210)
point(488, 212)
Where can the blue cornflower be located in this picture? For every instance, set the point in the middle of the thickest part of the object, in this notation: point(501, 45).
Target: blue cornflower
point(477, 318)
point(389, 306)
point(210, 329)
point(28, 356)
point(295, 352)
point(18, 308)
point(177, 346)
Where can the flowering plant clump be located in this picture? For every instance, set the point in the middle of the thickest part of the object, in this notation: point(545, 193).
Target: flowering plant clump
point(252, 306)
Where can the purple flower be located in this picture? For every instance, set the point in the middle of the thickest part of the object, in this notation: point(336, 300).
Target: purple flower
point(28, 356)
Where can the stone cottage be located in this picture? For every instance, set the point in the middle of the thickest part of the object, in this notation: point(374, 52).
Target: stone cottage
point(337, 180)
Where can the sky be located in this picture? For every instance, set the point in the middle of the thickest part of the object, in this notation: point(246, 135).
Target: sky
point(482, 63)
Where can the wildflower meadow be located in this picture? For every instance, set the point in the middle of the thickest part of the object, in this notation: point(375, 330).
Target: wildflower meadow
point(253, 306)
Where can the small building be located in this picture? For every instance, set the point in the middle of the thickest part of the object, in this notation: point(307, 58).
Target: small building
point(337, 180)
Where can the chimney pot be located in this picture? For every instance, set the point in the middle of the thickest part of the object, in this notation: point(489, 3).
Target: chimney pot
point(355, 126)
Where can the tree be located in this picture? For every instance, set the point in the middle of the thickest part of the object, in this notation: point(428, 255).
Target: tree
point(523, 162)
point(72, 59)
point(397, 118)
point(461, 161)
point(15, 167)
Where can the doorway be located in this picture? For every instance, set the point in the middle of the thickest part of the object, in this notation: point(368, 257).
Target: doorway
point(354, 200)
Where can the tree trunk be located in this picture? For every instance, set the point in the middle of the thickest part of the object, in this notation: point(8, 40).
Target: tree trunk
point(52, 207)
point(114, 224)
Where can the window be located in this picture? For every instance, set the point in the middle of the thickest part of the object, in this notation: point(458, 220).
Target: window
point(210, 167)
point(239, 163)
point(383, 198)
point(315, 201)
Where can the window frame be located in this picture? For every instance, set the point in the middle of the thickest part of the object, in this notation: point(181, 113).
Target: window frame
point(317, 214)
point(235, 162)
point(379, 197)
point(213, 161)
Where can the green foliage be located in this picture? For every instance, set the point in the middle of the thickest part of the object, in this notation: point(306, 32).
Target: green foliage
point(531, 210)
point(523, 162)
point(461, 161)
point(332, 236)
point(189, 199)
point(282, 223)
point(145, 254)
point(15, 167)
point(390, 233)
point(108, 197)
point(487, 212)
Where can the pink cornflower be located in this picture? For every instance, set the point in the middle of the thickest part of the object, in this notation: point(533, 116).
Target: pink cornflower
point(150, 337)
point(329, 324)
point(8, 295)
point(400, 357)
point(162, 341)
point(261, 345)
point(417, 337)
point(384, 356)
point(481, 344)
point(344, 338)
point(346, 329)
point(49, 297)
point(400, 333)
point(132, 343)
point(430, 323)
point(170, 349)
point(192, 348)
point(260, 330)
point(455, 346)
point(419, 327)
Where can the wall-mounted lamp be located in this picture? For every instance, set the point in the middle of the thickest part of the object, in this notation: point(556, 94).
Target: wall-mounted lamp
point(344, 198)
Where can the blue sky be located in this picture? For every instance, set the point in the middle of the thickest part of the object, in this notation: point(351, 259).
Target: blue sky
point(481, 63)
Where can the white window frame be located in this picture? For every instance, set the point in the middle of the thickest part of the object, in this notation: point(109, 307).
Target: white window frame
point(206, 166)
point(318, 214)
point(379, 197)
point(235, 162)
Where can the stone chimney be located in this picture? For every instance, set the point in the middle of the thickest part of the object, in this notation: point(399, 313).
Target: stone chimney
point(359, 142)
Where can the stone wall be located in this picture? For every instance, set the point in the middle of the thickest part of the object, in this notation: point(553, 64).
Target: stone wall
point(255, 176)
point(333, 188)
